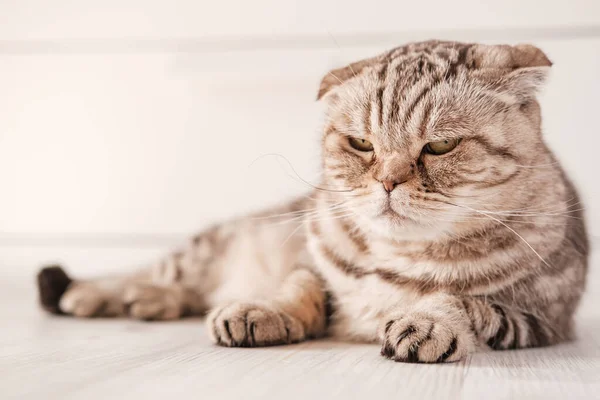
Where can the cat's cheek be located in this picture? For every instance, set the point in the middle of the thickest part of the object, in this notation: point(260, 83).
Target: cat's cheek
point(369, 209)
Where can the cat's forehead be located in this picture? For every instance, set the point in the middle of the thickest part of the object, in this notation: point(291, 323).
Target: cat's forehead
point(442, 49)
point(433, 53)
point(433, 57)
point(431, 88)
point(417, 94)
point(407, 64)
point(432, 63)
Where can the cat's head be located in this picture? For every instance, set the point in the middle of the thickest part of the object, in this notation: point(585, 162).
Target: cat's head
point(419, 138)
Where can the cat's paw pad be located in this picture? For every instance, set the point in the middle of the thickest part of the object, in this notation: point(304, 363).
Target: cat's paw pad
point(85, 301)
point(423, 338)
point(152, 303)
point(249, 325)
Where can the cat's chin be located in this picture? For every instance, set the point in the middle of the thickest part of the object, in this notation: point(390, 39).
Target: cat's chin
point(410, 231)
point(398, 227)
point(395, 218)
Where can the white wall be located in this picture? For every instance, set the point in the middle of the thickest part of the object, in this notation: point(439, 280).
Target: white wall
point(185, 19)
point(130, 124)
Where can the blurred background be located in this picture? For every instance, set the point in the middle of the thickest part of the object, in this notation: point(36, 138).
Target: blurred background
point(127, 125)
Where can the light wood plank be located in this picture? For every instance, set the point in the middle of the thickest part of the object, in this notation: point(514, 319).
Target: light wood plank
point(62, 358)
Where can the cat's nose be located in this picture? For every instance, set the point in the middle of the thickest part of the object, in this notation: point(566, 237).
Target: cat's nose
point(392, 171)
point(389, 185)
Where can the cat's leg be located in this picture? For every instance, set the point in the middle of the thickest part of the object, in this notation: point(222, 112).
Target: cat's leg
point(295, 313)
point(174, 287)
point(504, 327)
point(223, 263)
point(135, 296)
point(445, 328)
point(59, 293)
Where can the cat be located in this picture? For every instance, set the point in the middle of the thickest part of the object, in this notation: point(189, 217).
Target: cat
point(443, 224)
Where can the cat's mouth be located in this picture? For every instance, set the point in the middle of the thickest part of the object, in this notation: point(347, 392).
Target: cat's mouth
point(391, 214)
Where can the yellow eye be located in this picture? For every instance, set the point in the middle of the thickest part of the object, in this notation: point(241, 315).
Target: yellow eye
point(441, 147)
point(360, 144)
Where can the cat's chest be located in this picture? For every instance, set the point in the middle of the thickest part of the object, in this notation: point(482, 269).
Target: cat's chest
point(361, 297)
point(360, 305)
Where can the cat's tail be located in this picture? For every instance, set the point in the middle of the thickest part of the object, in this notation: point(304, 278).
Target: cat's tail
point(52, 283)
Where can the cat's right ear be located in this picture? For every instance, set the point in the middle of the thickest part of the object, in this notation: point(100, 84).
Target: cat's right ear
point(523, 69)
point(338, 77)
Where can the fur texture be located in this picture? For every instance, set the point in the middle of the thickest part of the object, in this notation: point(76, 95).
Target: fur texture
point(431, 255)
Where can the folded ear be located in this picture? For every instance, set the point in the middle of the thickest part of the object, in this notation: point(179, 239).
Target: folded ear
point(524, 83)
point(338, 76)
point(504, 56)
point(518, 71)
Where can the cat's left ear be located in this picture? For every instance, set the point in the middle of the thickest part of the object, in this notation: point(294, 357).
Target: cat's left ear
point(338, 76)
point(523, 69)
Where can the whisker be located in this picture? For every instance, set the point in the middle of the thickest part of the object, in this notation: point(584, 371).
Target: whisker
point(317, 213)
point(552, 164)
point(306, 217)
point(556, 206)
point(339, 48)
point(532, 211)
point(509, 228)
point(331, 218)
point(433, 219)
point(297, 176)
point(291, 234)
point(297, 212)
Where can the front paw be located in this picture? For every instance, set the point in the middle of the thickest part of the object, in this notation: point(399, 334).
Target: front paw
point(423, 338)
point(250, 325)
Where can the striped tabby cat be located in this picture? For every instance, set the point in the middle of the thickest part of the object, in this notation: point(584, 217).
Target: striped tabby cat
point(443, 223)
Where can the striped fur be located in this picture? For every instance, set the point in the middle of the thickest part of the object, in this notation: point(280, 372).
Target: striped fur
point(431, 255)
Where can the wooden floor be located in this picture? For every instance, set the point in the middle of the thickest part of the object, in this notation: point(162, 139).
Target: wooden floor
point(46, 357)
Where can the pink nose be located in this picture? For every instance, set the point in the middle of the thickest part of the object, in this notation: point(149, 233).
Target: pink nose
point(389, 185)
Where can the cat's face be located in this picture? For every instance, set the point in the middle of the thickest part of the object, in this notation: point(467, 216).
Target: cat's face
point(421, 142)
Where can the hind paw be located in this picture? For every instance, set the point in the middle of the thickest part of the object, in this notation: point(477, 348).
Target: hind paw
point(152, 303)
point(59, 294)
point(85, 300)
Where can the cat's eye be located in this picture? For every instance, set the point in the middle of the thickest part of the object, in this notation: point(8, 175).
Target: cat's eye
point(360, 144)
point(441, 147)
